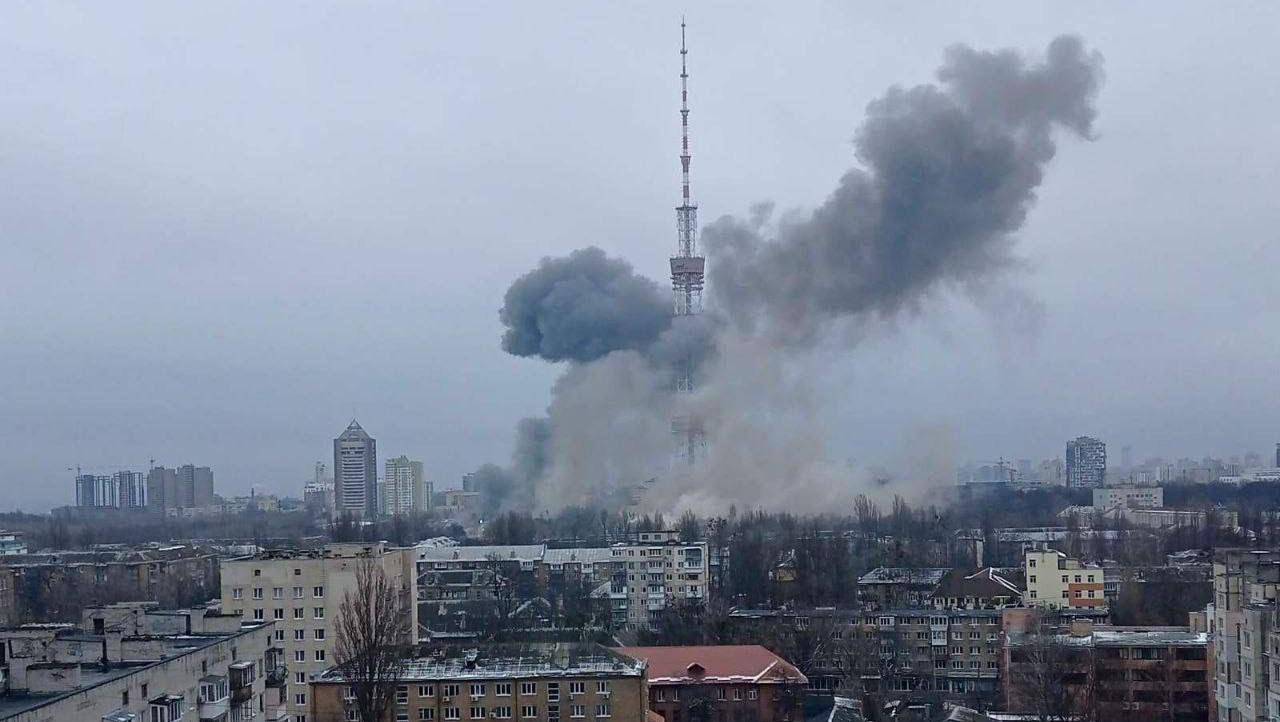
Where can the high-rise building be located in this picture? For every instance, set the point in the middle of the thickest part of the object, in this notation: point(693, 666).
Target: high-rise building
point(1086, 462)
point(195, 486)
point(355, 472)
point(162, 489)
point(404, 487)
point(121, 490)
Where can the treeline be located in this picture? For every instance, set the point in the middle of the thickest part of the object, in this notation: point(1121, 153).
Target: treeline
point(71, 532)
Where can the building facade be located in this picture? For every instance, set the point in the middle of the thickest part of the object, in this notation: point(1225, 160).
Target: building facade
point(355, 472)
point(1140, 497)
point(1086, 462)
point(1054, 580)
point(743, 682)
point(406, 489)
point(195, 486)
point(302, 593)
point(545, 682)
point(1244, 633)
point(131, 663)
point(120, 490)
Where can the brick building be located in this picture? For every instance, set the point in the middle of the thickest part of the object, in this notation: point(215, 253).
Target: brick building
point(545, 682)
point(745, 683)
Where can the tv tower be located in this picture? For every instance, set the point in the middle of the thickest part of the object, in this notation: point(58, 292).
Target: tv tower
point(688, 270)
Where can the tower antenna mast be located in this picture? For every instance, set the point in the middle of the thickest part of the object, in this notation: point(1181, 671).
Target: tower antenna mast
point(688, 270)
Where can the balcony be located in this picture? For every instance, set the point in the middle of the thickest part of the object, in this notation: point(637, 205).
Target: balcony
point(214, 700)
point(277, 676)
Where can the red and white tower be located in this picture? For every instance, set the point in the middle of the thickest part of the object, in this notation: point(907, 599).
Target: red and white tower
point(688, 272)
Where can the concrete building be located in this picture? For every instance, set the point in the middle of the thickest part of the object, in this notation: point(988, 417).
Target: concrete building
point(318, 497)
point(406, 491)
point(1245, 635)
point(1086, 462)
point(1054, 580)
point(744, 682)
point(135, 663)
point(355, 472)
point(8, 600)
point(120, 490)
point(11, 543)
point(551, 682)
point(890, 587)
point(648, 576)
point(1132, 497)
point(195, 486)
point(302, 593)
point(1112, 673)
point(162, 489)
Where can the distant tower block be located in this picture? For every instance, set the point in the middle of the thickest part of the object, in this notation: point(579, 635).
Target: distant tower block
point(688, 273)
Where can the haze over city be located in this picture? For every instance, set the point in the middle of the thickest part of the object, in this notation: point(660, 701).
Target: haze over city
point(225, 239)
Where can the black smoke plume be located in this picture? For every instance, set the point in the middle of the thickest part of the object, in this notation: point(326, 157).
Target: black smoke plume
point(582, 307)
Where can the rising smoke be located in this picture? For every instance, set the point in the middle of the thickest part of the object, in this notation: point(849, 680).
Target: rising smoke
point(947, 175)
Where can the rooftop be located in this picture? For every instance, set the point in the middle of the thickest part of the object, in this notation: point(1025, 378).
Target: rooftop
point(504, 552)
point(726, 664)
point(499, 661)
point(903, 575)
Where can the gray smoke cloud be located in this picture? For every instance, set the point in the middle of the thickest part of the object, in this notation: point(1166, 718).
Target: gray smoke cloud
point(948, 173)
point(582, 307)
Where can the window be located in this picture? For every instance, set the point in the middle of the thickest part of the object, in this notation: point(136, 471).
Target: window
point(426, 713)
point(319, 655)
point(257, 614)
point(352, 716)
point(298, 612)
point(317, 592)
point(402, 716)
point(603, 710)
point(257, 572)
point(277, 614)
point(318, 612)
point(502, 712)
point(426, 690)
point(451, 690)
point(1077, 579)
point(277, 592)
point(553, 693)
point(300, 698)
point(577, 687)
point(737, 694)
point(237, 593)
point(602, 687)
point(299, 655)
point(1091, 594)
point(1031, 563)
point(1064, 578)
point(1090, 578)
point(1032, 578)
point(578, 710)
point(297, 592)
point(660, 695)
point(319, 634)
point(279, 634)
point(502, 689)
point(299, 635)
point(257, 592)
point(477, 690)
point(1065, 594)
point(300, 677)
point(528, 688)
point(753, 693)
point(478, 713)
point(1077, 594)
point(452, 713)
point(528, 711)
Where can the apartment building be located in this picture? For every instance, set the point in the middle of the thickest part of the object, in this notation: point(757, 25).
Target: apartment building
point(635, 580)
point(8, 599)
point(1117, 672)
point(546, 682)
point(1054, 580)
point(301, 591)
point(652, 573)
point(136, 663)
point(743, 682)
point(1244, 634)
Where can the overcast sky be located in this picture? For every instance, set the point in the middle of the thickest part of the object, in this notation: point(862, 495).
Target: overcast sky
point(226, 230)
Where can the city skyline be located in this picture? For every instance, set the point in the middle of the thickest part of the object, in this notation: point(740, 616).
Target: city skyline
point(1171, 299)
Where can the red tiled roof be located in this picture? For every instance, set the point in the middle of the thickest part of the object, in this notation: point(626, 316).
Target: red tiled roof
point(749, 663)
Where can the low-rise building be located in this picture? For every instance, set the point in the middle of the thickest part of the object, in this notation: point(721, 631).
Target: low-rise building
point(1110, 672)
point(550, 682)
point(11, 543)
point(302, 592)
point(1134, 497)
point(1055, 580)
point(983, 589)
point(745, 682)
point(136, 663)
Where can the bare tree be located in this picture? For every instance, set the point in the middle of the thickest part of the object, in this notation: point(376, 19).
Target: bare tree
point(1053, 679)
point(374, 635)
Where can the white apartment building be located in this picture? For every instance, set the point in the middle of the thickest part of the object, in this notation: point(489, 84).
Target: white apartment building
point(404, 487)
point(301, 591)
point(1054, 581)
point(655, 570)
point(1130, 497)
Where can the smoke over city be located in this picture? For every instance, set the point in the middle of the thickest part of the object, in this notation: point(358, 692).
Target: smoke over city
point(946, 175)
